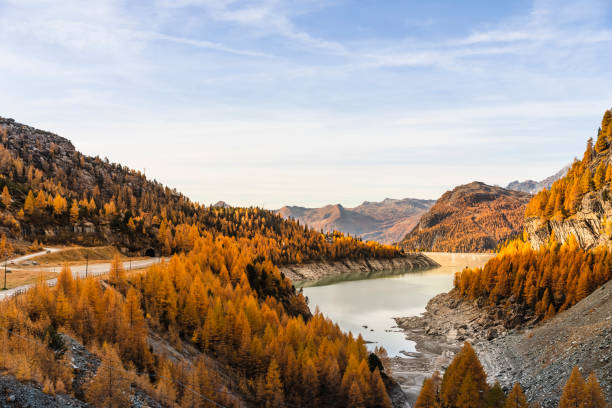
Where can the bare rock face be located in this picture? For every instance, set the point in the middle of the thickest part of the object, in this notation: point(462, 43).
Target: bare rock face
point(588, 225)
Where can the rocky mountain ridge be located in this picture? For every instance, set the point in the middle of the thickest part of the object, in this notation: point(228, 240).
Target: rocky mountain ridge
point(532, 186)
point(385, 221)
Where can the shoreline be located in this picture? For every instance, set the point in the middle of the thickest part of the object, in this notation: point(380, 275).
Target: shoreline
point(314, 271)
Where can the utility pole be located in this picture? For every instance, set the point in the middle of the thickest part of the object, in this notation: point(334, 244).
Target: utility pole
point(86, 264)
point(5, 261)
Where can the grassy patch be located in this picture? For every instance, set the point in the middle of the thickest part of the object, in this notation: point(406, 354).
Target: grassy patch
point(17, 277)
point(78, 254)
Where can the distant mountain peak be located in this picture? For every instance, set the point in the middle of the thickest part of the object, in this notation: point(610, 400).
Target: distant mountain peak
point(532, 186)
point(222, 204)
point(385, 221)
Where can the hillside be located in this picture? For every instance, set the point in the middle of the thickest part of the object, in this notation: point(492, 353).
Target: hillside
point(54, 194)
point(578, 204)
point(386, 221)
point(474, 217)
point(541, 358)
point(216, 325)
point(532, 187)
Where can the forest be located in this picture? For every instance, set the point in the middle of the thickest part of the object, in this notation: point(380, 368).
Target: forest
point(591, 174)
point(46, 183)
point(464, 385)
point(553, 278)
point(541, 282)
point(223, 301)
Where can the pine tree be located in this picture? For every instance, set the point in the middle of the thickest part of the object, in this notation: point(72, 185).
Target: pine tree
point(516, 398)
point(166, 389)
point(109, 388)
point(574, 392)
point(379, 392)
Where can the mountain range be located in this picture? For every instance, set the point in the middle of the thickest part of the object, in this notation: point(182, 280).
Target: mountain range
point(386, 221)
point(532, 187)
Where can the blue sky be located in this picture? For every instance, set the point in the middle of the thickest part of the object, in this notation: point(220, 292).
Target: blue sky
point(311, 102)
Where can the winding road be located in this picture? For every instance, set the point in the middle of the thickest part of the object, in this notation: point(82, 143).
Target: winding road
point(79, 271)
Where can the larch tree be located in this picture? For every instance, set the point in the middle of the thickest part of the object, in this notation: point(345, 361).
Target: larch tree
point(273, 389)
point(28, 206)
point(109, 388)
point(496, 398)
point(594, 397)
point(6, 197)
point(428, 397)
point(574, 392)
point(74, 212)
point(116, 275)
point(516, 398)
point(465, 368)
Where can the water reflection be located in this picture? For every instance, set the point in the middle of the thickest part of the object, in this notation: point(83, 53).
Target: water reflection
point(366, 303)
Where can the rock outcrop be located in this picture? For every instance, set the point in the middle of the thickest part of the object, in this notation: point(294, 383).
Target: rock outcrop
point(590, 225)
point(474, 217)
point(321, 270)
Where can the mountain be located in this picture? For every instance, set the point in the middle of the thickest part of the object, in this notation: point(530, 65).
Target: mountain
point(578, 205)
point(474, 217)
point(532, 187)
point(216, 325)
point(54, 194)
point(386, 221)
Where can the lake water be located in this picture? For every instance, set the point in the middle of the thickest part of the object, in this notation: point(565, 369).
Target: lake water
point(367, 304)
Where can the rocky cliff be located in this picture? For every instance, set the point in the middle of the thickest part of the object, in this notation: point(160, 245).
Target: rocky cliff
point(474, 217)
point(590, 225)
point(580, 203)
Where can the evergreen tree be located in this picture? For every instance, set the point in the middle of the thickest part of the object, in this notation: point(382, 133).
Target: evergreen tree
point(496, 398)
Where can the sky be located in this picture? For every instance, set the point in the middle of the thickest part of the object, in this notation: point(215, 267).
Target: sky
point(307, 102)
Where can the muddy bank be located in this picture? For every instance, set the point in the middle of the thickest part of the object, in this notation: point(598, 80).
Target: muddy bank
point(322, 270)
